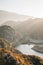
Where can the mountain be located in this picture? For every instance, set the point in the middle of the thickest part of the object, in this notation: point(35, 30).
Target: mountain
point(11, 23)
point(5, 16)
point(29, 29)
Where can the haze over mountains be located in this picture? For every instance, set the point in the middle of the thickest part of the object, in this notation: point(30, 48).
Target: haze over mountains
point(26, 28)
point(5, 16)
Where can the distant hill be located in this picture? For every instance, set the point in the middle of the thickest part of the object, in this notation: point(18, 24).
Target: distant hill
point(11, 23)
point(5, 16)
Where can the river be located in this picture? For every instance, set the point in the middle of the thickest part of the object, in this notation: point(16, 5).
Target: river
point(26, 49)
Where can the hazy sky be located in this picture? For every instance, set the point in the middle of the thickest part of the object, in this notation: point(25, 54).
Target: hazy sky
point(28, 7)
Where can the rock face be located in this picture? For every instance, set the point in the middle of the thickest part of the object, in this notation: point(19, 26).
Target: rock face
point(7, 33)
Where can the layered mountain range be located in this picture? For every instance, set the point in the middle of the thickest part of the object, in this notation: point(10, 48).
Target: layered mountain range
point(27, 29)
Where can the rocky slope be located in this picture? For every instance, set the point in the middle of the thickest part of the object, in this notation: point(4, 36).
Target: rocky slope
point(9, 58)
